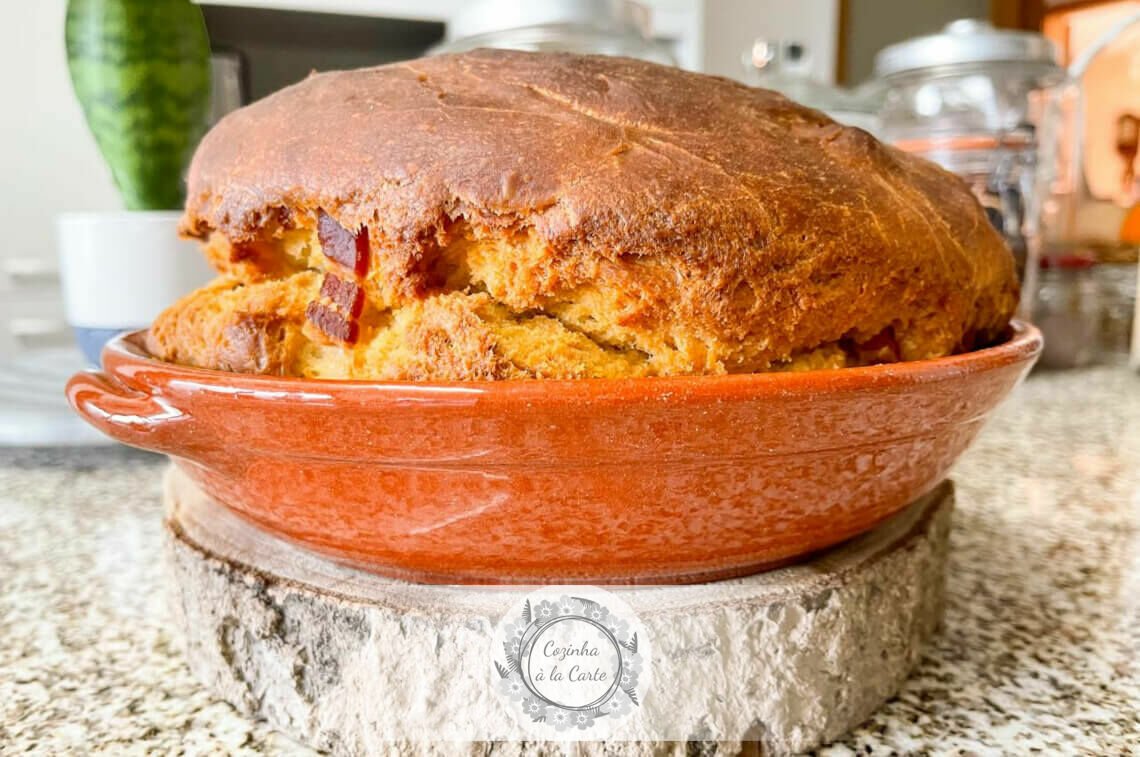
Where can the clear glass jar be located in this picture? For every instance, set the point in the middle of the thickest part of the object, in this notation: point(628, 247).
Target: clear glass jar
point(1068, 312)
point(975, 100)
point(1094, 201)
point(1095, 198)
point(1116, 287)
point(603, 27)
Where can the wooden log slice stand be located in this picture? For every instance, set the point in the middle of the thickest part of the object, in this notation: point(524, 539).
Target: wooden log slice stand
point(354, 663)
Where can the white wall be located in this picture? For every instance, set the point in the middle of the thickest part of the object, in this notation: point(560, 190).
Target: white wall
point(48, 157)
point(49, 163)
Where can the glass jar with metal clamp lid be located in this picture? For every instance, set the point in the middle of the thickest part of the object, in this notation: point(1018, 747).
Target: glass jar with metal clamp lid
point(604, 27)
point(975, 99)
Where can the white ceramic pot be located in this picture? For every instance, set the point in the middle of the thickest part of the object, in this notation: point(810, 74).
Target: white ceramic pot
point(120, 269)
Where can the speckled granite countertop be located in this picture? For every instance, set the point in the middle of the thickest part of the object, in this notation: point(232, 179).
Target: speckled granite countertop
point(1039, 652)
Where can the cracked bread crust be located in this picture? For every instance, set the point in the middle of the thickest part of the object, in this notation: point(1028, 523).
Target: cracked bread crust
point(562, 216)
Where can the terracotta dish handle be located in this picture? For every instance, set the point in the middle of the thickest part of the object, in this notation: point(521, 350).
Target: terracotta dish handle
point(127, 414)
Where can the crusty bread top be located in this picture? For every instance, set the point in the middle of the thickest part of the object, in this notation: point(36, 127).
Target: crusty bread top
point(726, 208)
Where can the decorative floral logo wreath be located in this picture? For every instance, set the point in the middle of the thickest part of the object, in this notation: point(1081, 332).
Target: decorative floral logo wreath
point(571, 661)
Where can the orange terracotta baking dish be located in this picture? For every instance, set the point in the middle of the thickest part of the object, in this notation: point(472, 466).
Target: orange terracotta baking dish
point(518, 317)
point(600, 480)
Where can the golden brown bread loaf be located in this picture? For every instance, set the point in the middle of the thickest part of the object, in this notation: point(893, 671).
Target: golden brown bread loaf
point(500, 214)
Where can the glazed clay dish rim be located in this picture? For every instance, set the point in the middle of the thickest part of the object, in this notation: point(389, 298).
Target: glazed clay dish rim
point(1022, 342)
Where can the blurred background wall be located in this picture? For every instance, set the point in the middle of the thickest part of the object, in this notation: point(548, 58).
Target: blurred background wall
point(48, 156)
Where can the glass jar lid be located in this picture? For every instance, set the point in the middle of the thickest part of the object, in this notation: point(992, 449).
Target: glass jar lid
point(969, 41)
point(491, 16)
point(609, 27)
